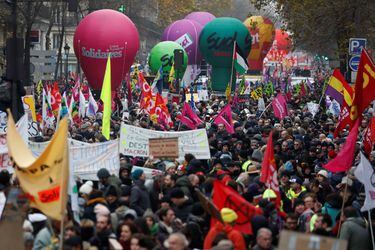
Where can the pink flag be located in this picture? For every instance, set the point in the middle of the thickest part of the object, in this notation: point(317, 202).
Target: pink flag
point(344, 159)
point(280, 107)
point(225, 117)
point(189, 118)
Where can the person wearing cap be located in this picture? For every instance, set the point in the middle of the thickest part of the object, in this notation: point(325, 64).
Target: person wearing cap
point(181, 204)
point(106, 179)
point(139, 198)
point(229, 218)
point(296, 190)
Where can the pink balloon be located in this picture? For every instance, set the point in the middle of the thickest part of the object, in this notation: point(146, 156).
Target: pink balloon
point(100, 33)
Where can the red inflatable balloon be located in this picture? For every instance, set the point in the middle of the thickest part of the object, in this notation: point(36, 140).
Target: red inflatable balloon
point(282, 41)
point(100, 33)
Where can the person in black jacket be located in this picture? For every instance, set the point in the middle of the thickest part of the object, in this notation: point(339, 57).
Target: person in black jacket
point(139, 197)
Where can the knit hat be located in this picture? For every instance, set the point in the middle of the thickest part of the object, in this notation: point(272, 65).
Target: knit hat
point(228, 215)
point(100, 209)
point(257, 155)
point(86, 188)
point(136, 174)
point(111, 191)
point(103, 173)
point(177, 193)
point(323, 173)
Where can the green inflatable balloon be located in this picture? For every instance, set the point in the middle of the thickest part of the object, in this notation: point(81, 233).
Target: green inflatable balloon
point(162, 54)
point(216, 45)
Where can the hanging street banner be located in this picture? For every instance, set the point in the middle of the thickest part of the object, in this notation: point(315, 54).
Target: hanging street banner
point(134, 141)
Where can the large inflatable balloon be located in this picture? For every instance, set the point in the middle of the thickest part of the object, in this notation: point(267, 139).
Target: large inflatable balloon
point(186, 33)
point(281, 46)
point(162, 55)
point(100, 33)
point(262, 32)
point(201, 17)
point(216, 45)
point(282, 41)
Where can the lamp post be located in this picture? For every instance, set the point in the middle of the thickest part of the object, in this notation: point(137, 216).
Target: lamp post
point(66, 50)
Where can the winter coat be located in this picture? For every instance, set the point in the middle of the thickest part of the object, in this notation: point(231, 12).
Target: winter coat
point(356, 232)
point(233, 235)
point(89, 212)
point(43, 240)
point(182, 212)
point(331, 210)
point(139, 197)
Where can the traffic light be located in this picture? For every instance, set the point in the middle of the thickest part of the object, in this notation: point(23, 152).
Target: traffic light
point(122, 8)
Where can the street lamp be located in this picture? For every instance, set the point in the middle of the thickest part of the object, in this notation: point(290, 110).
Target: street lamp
point(66, 50)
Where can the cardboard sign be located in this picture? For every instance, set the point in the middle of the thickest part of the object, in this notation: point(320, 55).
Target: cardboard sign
point(295, 241)
point(163, 147)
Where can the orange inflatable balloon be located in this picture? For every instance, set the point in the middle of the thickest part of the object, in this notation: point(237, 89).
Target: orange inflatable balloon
point(262, 32)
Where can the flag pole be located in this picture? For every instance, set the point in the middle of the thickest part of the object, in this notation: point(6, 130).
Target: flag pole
point(371, 229)
point(265, 110)
point(343, 204)
point(231, 71)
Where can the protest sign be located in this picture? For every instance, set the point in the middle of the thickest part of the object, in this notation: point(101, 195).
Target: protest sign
point(203, 95)
point(87, 158)
point(163, 147)
point(195, 97)
point(295, 241)
point(134, 141)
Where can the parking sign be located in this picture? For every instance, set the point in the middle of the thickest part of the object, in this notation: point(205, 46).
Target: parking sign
point(356, 45)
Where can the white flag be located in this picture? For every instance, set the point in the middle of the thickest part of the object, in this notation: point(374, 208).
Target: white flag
point(261, 104)
point(365, 174)
point(82, 105)
point(93, 106)
point(313, 108)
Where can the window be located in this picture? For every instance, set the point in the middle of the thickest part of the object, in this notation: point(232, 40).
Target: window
point(56, 40)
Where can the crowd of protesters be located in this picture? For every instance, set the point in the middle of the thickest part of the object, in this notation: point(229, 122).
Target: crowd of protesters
point(164, 212)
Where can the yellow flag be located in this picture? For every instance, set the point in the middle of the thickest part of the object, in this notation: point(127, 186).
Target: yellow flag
point(107, 101)
point(43, 179)
point(171, 74)
point(228, 92)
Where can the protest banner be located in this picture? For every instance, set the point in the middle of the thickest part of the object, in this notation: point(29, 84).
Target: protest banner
point(295, 241)
point(5, 162)
point(134, 141)
point(87, 158)
point(149, 172)
point(163, 147)
point(44, 179)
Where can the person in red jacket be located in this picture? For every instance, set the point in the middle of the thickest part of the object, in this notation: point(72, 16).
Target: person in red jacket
point(229, 218)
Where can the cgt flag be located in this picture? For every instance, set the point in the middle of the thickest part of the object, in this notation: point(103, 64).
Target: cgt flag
point(43, 179)
point(224, 196)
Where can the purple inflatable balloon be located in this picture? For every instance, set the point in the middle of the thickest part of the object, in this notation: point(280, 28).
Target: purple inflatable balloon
point(186, 33)
point(201, 17)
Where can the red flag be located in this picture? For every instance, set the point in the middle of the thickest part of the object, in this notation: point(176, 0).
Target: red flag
point(146, 97)
point(373, 129)
point(160, 113)
point(224, 196)
point(364, 86)
point(55, 98)
point(279, 105)
point(344, 159)
point(367, 139)
point(189, 118)
point(225, 117)
point(268, 173)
